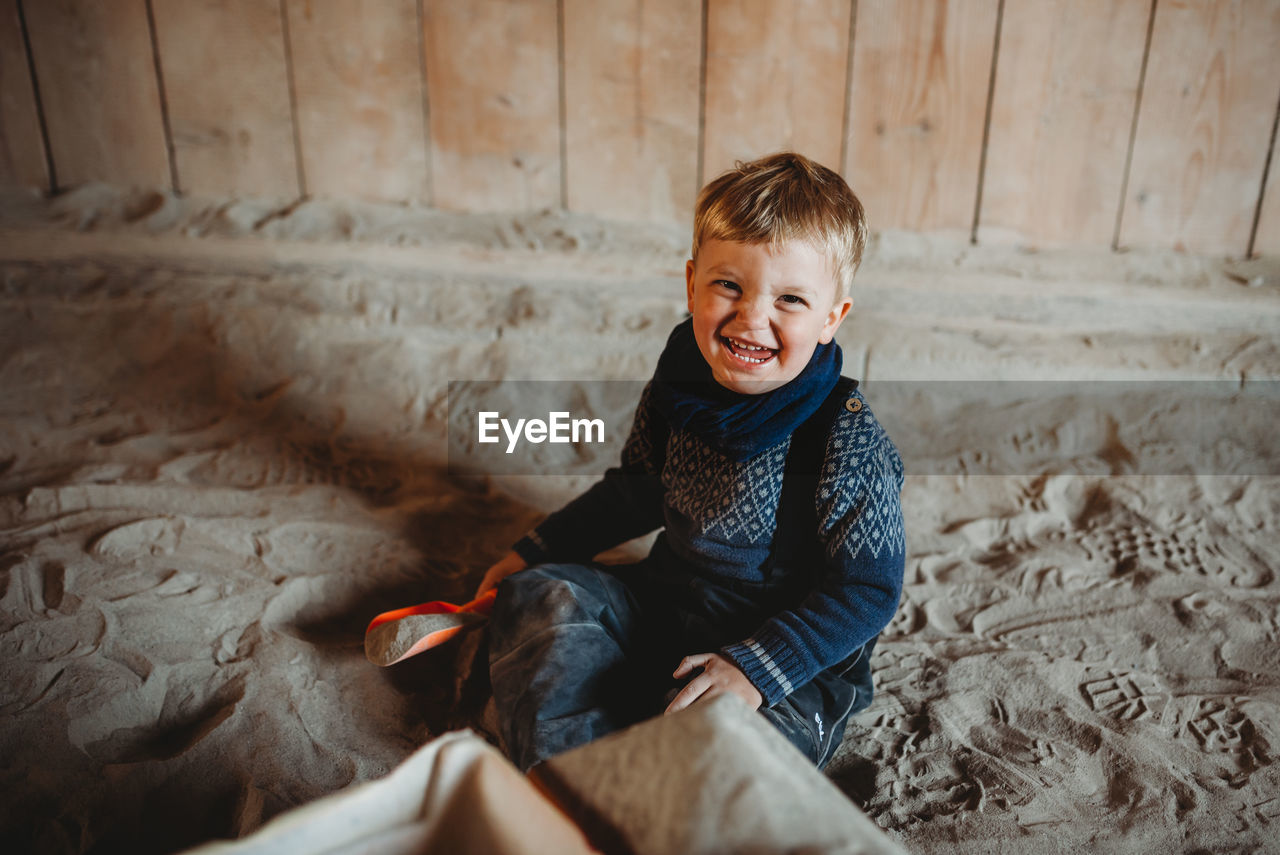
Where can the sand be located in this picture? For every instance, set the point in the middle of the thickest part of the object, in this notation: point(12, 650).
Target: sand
point(223, 450)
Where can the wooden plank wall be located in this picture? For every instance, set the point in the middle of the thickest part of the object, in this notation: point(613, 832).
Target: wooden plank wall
point(226, 83)
point(1061, 112)
point(1267, 239)
point(357, 70)
point(776, 79)
point(99, 91)
point(493, 86)
point(631, 106)
point(921, 73)
point(1122, 123)
point(22, 160)
point(1202, 141)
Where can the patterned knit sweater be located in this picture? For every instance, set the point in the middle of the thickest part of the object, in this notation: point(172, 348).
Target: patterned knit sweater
point(719, 517)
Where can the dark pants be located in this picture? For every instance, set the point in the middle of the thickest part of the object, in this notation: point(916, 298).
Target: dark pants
point(577, 652)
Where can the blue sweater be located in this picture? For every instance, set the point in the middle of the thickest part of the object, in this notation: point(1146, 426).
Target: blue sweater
point(719, 517)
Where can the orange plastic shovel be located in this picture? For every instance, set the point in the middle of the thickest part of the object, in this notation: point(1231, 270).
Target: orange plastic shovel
point(396, 635)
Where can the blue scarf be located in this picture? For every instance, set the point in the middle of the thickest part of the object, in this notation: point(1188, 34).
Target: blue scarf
point(737, 425)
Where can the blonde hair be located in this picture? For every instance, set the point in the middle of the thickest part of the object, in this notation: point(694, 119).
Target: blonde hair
point(785, 196)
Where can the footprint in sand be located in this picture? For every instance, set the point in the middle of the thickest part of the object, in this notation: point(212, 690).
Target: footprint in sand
point(186, 718)
point(906, 621)
point(1218, 724)
point(146, 537)
point(1137, 547)
point(1252, 813)
point(1125, 696)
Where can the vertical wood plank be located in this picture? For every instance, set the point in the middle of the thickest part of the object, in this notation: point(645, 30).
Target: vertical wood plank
point(1061, 116)
point(918, 100)
point(358, 80)
point(227, 89)
point(1267, 241)
point(493, 81)
point(1213, 78)
point(22, 162)
point(631, 96)
point(775, 80)
point(99, 91)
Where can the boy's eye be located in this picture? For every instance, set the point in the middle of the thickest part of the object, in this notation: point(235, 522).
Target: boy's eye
point(793, 299)
point(725, 283)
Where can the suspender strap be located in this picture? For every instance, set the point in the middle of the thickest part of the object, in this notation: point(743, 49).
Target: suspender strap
point(809, 442)
point(795, 537)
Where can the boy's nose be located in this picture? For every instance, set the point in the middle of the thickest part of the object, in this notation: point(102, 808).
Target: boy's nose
point(754, 313)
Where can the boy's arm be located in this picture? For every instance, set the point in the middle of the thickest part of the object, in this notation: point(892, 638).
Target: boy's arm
point(860, 516)
point(625, 504)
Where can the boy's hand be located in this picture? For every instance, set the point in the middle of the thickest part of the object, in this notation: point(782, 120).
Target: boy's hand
point(508, 564)
point(719, 676)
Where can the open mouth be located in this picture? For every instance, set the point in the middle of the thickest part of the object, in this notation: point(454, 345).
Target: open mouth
point(753, 354)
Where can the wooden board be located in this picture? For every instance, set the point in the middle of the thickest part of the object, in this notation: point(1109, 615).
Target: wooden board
point(358, 79)
point(1267, 240)
point(776, 75)
point(22, 161)
point(631, 94)
point(493, 80)
point(1061, 116)
point(98, 87)
point(917, 103)
point(227, 88)
point(1213, 79)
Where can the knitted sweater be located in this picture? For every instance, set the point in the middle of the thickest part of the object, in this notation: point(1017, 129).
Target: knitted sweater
point(720, 515)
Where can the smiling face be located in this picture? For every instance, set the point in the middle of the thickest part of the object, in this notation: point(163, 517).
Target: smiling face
point(760, 310)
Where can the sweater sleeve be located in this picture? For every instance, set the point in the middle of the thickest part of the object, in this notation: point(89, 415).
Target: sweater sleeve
point(860, 526)
point(625, 503)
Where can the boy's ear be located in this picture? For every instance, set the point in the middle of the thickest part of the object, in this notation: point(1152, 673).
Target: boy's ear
point(838, 313)
point(688, 282)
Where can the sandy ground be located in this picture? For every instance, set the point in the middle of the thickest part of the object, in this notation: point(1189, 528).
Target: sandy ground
point(223, 450)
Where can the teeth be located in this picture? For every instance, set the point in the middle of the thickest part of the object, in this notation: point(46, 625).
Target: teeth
point(742, 345)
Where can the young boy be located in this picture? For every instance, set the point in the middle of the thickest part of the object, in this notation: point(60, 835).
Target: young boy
point(781, 555)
